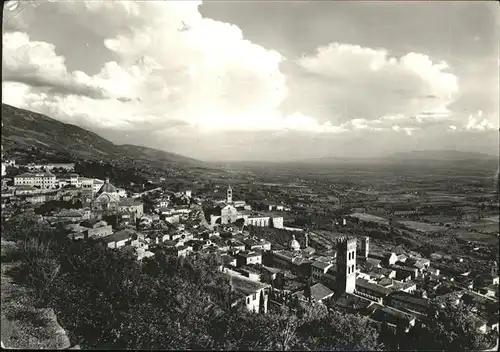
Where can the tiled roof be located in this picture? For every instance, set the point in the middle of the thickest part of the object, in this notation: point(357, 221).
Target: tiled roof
point(320, 265)
point(320, 291)
point(390, 315)
point(249, 254)
point(108, 188)
point(119, 236)
point(127, 202)
point(244, 286)
point(373, 288)
point(409, 298)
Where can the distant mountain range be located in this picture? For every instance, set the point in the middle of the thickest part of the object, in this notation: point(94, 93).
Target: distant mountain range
point(24, 129)
point(449, 155)
point(407, 157)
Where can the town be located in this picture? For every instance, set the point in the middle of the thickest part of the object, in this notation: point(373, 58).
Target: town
point(351, 259)
point(250, 175)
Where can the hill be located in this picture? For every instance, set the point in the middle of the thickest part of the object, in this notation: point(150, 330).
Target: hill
point(24, 129)
point(447, 155)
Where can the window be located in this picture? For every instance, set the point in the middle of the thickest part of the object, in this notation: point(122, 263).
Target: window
point(254, 297)
point(248, 300)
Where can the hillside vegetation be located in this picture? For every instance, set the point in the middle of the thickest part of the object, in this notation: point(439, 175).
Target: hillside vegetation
point(24, 129)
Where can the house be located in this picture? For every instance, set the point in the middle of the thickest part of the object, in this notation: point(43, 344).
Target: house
point(248, 292)
point(319, 293)
point(354, 303)
point(402, 272)
point(228, 260)
point(36, 199)
point(163, 202)
point(373, 262)
point(490, 290)
point(131, 205)
point(479, 302)
point(419, 263)
point(220, 243)
point(372, 289)
point(284, 259)
point(119, 239)
point(237, 246)
point(99, 232)
point(269, 274)
point(318, 269)
point(408, 286)
point(407, 301)
point(181, 250)
point(45, 180)
point(394, 318)
point(246, 258)
point(252, 244)
point(143, 253)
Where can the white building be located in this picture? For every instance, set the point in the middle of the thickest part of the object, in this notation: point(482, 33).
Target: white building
point(44, 180)
point(248, 292)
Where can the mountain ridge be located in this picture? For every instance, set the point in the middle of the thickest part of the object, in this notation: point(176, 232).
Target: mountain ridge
point(24, 129)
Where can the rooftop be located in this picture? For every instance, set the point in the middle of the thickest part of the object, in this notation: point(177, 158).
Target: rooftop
point(119, 236)
point(409, 298)
point(318, 292)
point(390, 315)
point(249, 254)
point(373, 288)
point(321, 265)
point(129, 202)
point(244, 286)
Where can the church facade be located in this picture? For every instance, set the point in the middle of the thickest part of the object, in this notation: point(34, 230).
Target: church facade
point(108, 201)
point(231, 212)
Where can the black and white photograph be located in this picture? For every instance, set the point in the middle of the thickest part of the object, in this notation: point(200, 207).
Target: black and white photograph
point(258, 175)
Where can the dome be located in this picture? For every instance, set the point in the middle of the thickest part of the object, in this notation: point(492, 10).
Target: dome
point(107, 187)
point(294, 245)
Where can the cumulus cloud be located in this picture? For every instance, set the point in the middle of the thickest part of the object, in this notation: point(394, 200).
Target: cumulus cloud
point(359, 82)
point(171, 63)
point(36, 63)
point(477, 122)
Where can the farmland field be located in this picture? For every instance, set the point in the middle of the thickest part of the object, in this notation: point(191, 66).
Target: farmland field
point(478, 237)
point(421, 226)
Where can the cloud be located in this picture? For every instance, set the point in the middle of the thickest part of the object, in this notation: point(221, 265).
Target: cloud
point(171, 64)
point(36, 64)
point(476, 122)
point(351, 81)
point(175, 79)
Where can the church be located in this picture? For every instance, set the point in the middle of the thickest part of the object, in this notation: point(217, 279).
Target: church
point(231, 211)
point(108, 201)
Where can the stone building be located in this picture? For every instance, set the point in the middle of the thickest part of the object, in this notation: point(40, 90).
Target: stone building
point(346, 265)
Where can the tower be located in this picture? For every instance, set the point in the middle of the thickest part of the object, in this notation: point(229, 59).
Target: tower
point(307, 239)
point(346, 265)
point(365, 246)
point(229, 196)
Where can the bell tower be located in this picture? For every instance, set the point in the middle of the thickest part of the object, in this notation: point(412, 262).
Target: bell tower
point(229, 195)
point(346, 265)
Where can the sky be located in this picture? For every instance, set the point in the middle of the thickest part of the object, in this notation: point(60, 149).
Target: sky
point(255, 80)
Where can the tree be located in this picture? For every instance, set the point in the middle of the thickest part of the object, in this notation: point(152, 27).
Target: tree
point(261, 302)
point(453, 327)
point(307, 291)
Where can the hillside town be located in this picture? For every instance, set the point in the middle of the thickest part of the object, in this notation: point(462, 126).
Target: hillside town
point(250, 175)
point(391, 287)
